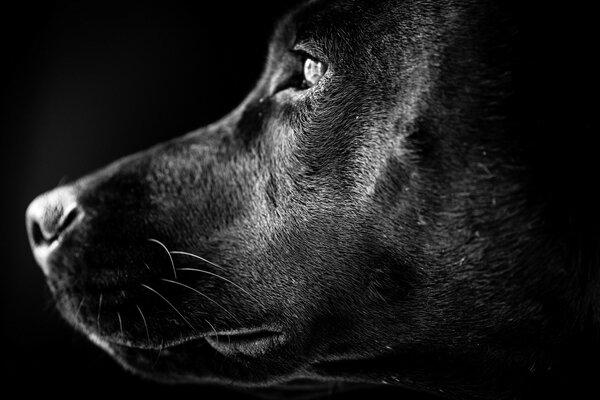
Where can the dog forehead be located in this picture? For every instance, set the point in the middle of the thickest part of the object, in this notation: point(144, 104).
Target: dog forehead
point(339, 22)
point(360, 22)
point(352, 32)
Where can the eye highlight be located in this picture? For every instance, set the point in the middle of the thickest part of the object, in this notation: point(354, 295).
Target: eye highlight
point(302, 71)
point(313, 72)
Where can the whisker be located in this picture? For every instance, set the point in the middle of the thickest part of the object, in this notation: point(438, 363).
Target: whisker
point(79, 308)
point(213, 329)
point(146, 265)
point(169, 303)
point(99, 309)
point(120, 323)
point(168, 253)
point(64, 179)
point(185, 253)
point(160, 348)
point(220, 277)
point(205, 296)
point(145, 324)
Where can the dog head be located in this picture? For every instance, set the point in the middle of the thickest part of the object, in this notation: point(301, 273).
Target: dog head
point(371, 212)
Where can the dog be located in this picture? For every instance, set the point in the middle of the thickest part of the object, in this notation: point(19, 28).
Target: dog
point(385, 207)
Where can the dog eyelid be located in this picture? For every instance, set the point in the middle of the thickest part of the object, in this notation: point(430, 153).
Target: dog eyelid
point(308, 70)
point(309, 48)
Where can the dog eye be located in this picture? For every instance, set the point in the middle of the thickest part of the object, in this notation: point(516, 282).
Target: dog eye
point(313, 72)
point(305, 71)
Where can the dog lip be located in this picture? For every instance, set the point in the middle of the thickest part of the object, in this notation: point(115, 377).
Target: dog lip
point(251, 342)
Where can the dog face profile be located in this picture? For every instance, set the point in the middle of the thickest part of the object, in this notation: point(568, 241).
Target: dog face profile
point(375, 211)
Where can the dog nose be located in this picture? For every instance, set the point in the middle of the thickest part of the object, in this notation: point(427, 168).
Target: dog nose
point(48, 217)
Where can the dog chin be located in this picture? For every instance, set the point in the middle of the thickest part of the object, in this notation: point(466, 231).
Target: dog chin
point(198, 362)
point(247, 358)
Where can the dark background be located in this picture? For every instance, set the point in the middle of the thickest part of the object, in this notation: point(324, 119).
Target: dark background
point(85, 83)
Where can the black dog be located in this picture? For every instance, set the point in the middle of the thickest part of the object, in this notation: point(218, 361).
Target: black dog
point(389, 205)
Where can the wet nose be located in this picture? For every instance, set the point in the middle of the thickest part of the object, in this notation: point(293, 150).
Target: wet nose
point(48, 217)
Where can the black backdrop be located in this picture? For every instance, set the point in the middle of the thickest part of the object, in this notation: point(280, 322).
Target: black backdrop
point(83, 84)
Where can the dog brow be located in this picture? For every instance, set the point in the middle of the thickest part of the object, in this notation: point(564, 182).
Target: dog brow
point(315, 27)
point(296, 26)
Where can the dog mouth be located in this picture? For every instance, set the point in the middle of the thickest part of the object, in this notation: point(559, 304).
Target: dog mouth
point(251, 342)
point(254, 342)
point(242, 355)
point(245, 356)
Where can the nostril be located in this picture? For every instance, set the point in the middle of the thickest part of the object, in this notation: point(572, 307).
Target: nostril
point(37, 237)
point(69, 217)
point(46, 234)
point(50, 215)
point(48, 218)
